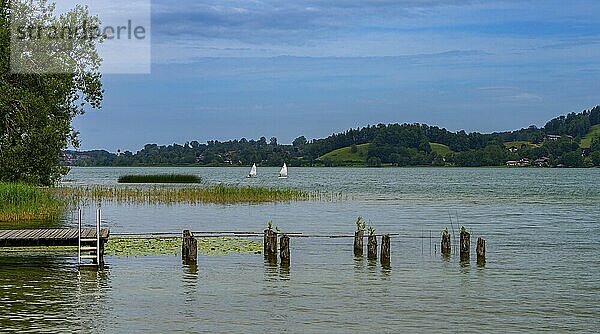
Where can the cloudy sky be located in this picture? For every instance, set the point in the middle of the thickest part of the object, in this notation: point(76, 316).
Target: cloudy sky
point(224, 69)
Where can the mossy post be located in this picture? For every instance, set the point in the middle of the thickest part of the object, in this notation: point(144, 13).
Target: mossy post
point(284, 249)
point(445, 243)
point(358, 242)
point(465, 245)
point(385, 250)
point(266, 241)
point(189, 248)
point(480, 251)
point(270, 243)
point(372, 247)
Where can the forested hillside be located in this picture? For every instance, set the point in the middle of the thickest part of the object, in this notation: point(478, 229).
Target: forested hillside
point(559, 142)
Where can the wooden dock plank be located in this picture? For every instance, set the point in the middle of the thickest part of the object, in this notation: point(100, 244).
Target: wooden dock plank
point(53, 236)
point(12, 234)
point(30, 234)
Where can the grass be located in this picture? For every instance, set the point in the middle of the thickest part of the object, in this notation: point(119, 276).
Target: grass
point(220, 194)
point(518, 143)
point(160, 178)
point(23, 202)
point(441, 149)
point(345, 155)
point(586, 141)
point(132, 246)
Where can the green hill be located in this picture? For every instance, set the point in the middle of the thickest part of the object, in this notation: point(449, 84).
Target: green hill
point(440, 149)
point(587, 140)
point(345, 155)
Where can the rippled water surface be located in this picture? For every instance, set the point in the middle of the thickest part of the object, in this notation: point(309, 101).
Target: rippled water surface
point(542, 271)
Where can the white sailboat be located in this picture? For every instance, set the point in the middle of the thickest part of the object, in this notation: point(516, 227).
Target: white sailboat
point(252, 172)
point(283, 173)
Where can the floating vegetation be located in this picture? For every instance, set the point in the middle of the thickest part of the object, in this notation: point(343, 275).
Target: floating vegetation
point(132, 246)
point(23, 202)
point(219, 194)
point(160, 178)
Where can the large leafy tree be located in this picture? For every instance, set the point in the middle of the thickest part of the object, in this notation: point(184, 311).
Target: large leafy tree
point(37, 107)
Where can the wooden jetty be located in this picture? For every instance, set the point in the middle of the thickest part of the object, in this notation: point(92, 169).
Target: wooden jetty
point(89, 241)
point(49, 237)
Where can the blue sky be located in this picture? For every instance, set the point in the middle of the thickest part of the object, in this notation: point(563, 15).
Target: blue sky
point(225, 69)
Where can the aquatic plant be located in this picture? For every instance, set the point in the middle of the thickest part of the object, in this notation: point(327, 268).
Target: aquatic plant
point(23, 202)
point(135, 246)
point(160, 178)
point(360, 224)
point(220, 194)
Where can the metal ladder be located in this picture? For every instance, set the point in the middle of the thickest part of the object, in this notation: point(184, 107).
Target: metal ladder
point(89, 246)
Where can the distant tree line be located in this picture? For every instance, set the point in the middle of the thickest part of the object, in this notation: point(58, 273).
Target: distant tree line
point(391, 144)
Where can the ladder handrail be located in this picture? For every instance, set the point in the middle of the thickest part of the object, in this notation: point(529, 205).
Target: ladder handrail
point(98, 237)
point(79, 235)
point(95, 256)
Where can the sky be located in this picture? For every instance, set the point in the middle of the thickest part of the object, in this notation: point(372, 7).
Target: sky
point(227, 69)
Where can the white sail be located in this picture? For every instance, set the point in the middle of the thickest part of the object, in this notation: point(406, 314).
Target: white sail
point(252, 171)
point(283, 172)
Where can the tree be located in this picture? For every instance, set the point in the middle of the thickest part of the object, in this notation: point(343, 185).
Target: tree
point(595, 146)
point(36, 108)
point(572, 159)
point(595, 157)
point(374, 162)
point(300, 142)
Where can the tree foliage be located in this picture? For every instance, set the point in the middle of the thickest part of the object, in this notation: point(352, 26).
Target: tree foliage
point(36, 108)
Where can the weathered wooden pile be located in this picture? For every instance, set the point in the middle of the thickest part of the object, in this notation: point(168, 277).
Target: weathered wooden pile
point(270, 250)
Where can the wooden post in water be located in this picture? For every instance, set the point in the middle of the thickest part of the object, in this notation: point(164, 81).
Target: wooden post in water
point(270, 243)
point(358, 242)
point(266, 241)
point(465, 245)
point(445, 243)
point(372, 247)
point(480, 251)
point(385, 249)
point(284, 249)
point(189, 248)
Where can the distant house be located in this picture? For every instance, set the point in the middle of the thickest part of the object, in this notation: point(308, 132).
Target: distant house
point(551, 137)
point(541, 162)
point(557, 137)
point(524, 162)
point(519, 163)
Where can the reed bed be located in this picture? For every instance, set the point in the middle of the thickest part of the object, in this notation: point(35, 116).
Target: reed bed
point(220, 194)
point(23, 202)
point(160, 178)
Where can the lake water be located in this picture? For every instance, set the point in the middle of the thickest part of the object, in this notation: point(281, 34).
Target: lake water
point(542, 228)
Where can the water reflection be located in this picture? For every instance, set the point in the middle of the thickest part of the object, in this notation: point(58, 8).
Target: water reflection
point(270, 264)
point(274, 272)
point(284, 271)
point(446, 257)
point(49, 293)
point(359, 263)
point(190, 273)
